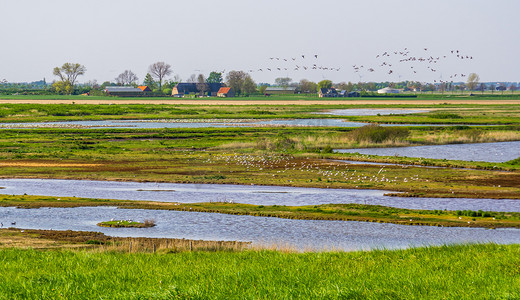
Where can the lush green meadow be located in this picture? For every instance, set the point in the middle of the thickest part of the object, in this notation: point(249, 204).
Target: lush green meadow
point(449, 272)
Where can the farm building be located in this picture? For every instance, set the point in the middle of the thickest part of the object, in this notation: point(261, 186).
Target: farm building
point(388, 90)
point(226, 92)
point(144, 88)
point(123, 91)
point(273, 90)
point(325, 93)
point(186, 88)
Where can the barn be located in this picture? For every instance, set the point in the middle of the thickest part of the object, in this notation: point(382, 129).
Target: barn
point(226, 92)
point(123, 91)
point(186, 88)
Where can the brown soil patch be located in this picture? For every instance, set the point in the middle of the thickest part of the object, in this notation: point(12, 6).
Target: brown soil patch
point(52, 239)
point(263, 102)
point(45, 164)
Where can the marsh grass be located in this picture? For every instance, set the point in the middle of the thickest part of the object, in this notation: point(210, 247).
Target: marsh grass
point(127, 224)
point(452, 272)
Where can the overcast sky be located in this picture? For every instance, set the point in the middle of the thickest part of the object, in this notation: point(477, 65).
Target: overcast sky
point(200, 36)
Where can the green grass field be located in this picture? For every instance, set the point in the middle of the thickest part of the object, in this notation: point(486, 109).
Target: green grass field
point(449, 272)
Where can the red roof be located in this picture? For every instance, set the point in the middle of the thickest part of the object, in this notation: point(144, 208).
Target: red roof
point(224, 90)
point(144, 88)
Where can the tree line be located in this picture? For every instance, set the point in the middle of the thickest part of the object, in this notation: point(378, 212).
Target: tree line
point(157, 79)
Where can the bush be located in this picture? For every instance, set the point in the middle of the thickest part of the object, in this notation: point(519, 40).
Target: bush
point(444, 115)
point(377, 134)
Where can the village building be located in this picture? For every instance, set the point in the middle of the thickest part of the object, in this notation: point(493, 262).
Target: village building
point(123, 91)
point(144, 88)
point(226, 92)
point(187, 88)
point(326, 93)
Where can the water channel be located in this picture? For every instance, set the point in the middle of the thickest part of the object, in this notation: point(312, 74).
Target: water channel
point(298, 234)
point(371, 112)
point(258, 195)
point(490, 152)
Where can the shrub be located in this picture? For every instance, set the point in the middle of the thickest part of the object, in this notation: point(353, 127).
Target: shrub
point(443, 115)
point(377, 134)
point(149, 223)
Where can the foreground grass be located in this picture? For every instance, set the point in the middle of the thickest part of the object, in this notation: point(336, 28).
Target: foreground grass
point(448, 272)
point(336, 212)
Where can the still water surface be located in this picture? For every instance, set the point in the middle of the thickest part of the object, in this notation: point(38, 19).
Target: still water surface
point(299, 234)
point(258, 195)
point(490, 152)
point(371, 112)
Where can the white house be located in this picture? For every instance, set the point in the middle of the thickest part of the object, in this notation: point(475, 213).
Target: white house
point(388, 90)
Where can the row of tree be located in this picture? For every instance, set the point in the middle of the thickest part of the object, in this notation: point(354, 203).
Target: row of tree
point(243, 84)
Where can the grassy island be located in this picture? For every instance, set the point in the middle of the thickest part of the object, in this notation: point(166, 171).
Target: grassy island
point(127, 224)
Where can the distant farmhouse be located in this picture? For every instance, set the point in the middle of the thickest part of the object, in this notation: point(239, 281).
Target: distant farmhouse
point(332, 92)
point(326, 93)
point(272, 90)
point(124, 91)
point(187, 88)
point(226, 92)
point(144, 88)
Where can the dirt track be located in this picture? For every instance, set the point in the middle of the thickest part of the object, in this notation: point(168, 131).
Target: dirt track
point(264, 102)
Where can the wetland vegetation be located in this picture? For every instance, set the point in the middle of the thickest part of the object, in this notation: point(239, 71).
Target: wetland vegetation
point(285, 156)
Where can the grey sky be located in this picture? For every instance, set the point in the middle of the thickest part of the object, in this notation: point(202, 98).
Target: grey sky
point(111, 36)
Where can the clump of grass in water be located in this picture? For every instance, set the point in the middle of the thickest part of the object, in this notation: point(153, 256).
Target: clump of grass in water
point(127, 224)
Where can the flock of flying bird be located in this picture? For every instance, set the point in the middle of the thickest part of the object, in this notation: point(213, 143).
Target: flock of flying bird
point(306, 62)
point(388, 62)
point(414, 62)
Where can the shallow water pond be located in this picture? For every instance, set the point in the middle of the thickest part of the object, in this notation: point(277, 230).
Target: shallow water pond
point(258, 195)
point(489, 152)
point(299, 234)
point(371, 112)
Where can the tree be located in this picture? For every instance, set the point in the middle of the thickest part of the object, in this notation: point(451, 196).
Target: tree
point(502, 87)
point(160, 70)
point(68, 73)
point(473, 80)
point(192, 78)
point(62, 87)
point(202, 86)
point(235, 80)
point(249, 85)
point(512, 88)
point(214, 77)
point(126, 78)
point(324, 84)
point(482, 87)
point(262, 89)
point(283, 82)
point(149, 82)
point(307, 86)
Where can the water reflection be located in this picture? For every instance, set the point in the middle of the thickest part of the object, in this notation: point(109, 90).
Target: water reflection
point(300, 234)
point(258, 195)
point(490, 152)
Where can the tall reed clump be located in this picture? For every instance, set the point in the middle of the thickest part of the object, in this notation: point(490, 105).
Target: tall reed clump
point(374, 133)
